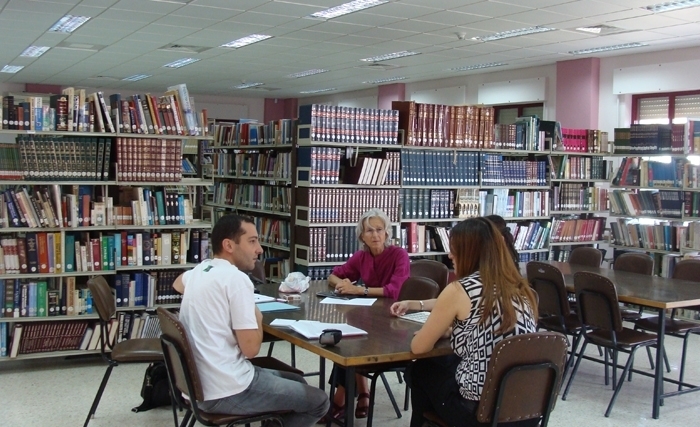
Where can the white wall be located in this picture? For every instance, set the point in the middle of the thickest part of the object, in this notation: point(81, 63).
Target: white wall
point(366, 98)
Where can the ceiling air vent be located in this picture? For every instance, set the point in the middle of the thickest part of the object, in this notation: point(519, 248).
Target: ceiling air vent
point(183, 48)
point(602, 30)
point(377, 66)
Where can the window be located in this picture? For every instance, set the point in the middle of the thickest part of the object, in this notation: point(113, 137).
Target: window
point(665, 108)
point(508, 114)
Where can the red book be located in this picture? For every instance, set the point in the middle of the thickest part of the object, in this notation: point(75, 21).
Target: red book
point(43, 253)
point(86, 210)
point(96, 254)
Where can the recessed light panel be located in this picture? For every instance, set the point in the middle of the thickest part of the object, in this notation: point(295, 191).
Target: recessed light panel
point(318, 90)
point(34, 51)
point(68, 24)
point(514, 33)
point(11, 69)
point(672, 5)
point(136, 77)
point(608, 48)
point(346, 8)
point(245, 41)
point(306, 73)
point(479, 66)
point(387, 80)
point(247, 85)
point(389, 56)
point(181, 62)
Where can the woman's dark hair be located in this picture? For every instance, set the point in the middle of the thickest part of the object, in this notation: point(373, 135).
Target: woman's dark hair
point(475, 246)
point(228, 227)
point(500, 224)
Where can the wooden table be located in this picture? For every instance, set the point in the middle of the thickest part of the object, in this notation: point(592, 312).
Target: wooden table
point(388, 339)
point(648, 291)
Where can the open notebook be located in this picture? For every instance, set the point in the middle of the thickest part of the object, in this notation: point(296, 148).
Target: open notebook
point(311, 329)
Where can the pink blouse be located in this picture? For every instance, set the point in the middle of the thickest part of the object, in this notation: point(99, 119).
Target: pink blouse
point(387, 270)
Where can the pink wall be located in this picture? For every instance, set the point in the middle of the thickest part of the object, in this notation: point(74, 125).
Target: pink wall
point(578, 83)
point(276, 108)
point(388, 93)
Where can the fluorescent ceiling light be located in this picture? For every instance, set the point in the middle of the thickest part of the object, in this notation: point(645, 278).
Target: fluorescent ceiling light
point(592, 30)
point(245, 41)
point(11, 69)
point(307, 73)
point(181, 62)
point(346, 8)
point(478, 66)
point(247, 85)
point(68, 24)
point(136, 77)
point(380, 81)
point(514, 33)
point(318, 90)
point(34, 51)
point(607, 48)
point(672, 5)
point(388, 56)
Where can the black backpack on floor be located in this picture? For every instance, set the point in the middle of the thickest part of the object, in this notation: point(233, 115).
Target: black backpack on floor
point(155, 389)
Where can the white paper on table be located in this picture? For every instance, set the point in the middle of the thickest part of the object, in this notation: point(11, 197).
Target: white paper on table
point(363, 302)
point(262, 298)
point(283, 323)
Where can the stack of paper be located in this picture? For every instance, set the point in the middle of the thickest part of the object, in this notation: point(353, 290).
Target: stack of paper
point(311, 329)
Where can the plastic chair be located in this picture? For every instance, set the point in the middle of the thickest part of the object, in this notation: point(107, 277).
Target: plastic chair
point(591, 257)
point(137, 350)
point(522, 380)
point(599, 313)
point(432, 270)
point(184, 378)
point(688, 269)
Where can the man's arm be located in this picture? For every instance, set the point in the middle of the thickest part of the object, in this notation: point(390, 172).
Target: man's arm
point(179, 285)
point(250, 340)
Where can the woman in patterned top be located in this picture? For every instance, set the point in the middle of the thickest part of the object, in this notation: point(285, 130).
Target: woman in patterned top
point(491, 301)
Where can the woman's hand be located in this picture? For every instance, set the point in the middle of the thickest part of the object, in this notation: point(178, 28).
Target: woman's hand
point(399, 308)
point(346, 287)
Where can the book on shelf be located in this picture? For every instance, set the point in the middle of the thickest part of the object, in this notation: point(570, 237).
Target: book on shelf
point(578, 167)
point(635, 171)
point(420, 167)
point(577, 230)
point(656, 203)
point(330, 123)
point(421, 203)
point(333, 205)
point(253, 196)
point(650, 139)
point(664, 236)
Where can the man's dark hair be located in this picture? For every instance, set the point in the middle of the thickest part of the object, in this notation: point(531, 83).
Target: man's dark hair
point(228, 227)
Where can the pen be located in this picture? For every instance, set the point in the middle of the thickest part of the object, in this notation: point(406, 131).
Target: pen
point(280, 300)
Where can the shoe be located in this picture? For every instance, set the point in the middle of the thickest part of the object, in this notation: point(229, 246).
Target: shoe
point(361, 411)
point(335, 412)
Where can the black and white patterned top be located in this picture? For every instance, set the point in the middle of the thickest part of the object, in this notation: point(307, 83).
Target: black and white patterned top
point(474, 342)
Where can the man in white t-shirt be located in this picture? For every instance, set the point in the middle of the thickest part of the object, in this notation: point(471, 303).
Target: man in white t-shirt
point(225, 328)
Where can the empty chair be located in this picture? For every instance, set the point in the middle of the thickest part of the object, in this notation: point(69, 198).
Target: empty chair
point(634, 262)
point(688, 269)
point(522, 380)
point(599, 313)
point(257, 275)
point(431, 269)
point(137, 350)
point(184, 377)
point(553, 306)
point(591, 257)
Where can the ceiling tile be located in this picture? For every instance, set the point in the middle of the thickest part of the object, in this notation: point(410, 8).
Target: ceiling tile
point(403, 10)
point(38, 7)
point(213, 13)
point(647, 22)
point(537, 17)
point(339, 27)
point(367, 18)
point(267, 19)
point(182, 21)
point(493, 9)
point(147, 6)
point(228, 4)
point(288, 9)
point(585, 8)
point(680, 30)
point(417, 26)
point(451, 18)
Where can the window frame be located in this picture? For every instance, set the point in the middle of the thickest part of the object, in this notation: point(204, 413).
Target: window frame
point(671, 102)
point(520, 107)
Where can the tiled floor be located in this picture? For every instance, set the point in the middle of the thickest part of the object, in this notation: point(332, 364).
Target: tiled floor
point(58, 393)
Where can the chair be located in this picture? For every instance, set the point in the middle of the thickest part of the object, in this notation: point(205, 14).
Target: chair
point(688, 269)
point(431, 269)
point(634, 262)
point(591, 257)
point(414, 288)
point(599, 313)
point(257, 275)
point(553, 306)
point(184, 377)
point(522, 380)
point(137, 350)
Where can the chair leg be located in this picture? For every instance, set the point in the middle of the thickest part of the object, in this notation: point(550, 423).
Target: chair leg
point(615, 354)
point(398, 375)
point(372, 394)
point(270, 348)
point(173, 404)
point(668, 365)
point(100, 390)
point(407, 398)
point(685, 349)
point(570, 362)
point(391, 395)
point(573, 373)
point(186, 418)
point(294, 355)
point(607, 355)
point(620, 381)
point(651, 359)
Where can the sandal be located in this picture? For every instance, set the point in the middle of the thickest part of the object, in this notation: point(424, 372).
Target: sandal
point(361, 411)
point(335, 412)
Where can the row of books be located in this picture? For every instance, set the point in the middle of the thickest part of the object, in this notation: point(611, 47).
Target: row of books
point(332, 244)
point(346, 205)
point(10, 163)
point(330, 123)
point(262, 164)
point(434, 125)
point(578, 167)
point(323, 163)
point(422, 203)
point(584, 141)
point(577, 230)
point(667, 204)
point(43, 298)
point(421, 238)
point(664, 236)
point(134, 325)
point(48, 253)
point(420, 167)
point(514, 204)
point(635, 171)
point(533, 256)
point(384, 169)
point(651, 139)
point(244, 133)
point(691, 176)
point(40, 337)
point(253, 196)
point(467, 203)
point(319, 272)
point(496, 171)
point(149, 159)
point(524, 134)
point(146, 289)
point(531, 235)
point(578, 197)
point(273, 231)
point(558, 253)
point(691, 207)
point(689, 235)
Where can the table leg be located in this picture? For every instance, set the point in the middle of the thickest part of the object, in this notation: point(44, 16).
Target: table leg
point(349, 396)
point(659, 373)
point(322, 373)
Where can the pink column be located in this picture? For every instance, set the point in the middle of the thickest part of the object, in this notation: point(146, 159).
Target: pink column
point(388, 93)
point(578, 82)
point(276, 108)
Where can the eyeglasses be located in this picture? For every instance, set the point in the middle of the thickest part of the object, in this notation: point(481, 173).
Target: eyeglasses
point(371, 231)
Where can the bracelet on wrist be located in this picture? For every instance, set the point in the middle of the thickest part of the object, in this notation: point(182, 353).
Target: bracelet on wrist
point(421, 305)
